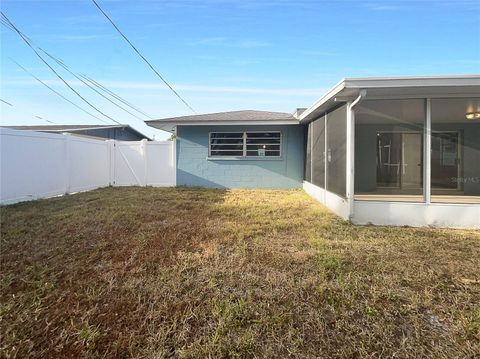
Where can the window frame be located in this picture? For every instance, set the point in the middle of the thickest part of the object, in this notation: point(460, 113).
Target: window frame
point(244, 146)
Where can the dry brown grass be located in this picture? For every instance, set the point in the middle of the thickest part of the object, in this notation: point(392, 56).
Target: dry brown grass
point(193, 273)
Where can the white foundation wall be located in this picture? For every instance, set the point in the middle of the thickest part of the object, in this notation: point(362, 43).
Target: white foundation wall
point(399, 213)
point(417, 214)
point(41, 165)
point(334, 202)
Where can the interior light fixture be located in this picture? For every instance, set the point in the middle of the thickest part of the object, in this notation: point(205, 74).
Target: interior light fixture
point(472, 115)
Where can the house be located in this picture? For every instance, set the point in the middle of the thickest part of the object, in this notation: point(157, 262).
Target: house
point(394, 151)
point(103, 132)
point(247, 149)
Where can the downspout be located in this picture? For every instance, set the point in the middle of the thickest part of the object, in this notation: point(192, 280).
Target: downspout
point(360, 98)
point(351, 152)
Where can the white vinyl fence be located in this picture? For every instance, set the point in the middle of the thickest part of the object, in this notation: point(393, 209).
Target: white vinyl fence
point(40, 165)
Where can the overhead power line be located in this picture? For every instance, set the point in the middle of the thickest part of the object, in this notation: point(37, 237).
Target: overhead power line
point(66, 68)
point(36, 116)
point(27, 41)
point(83, 78)
point(54, 91)
point(8, 103)
point(143, 57)
point(90, 81)
point(113, 94)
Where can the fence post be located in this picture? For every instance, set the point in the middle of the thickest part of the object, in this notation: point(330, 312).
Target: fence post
point(66, 168)
point(111, 164)
point(174, 160)
point(144, 156)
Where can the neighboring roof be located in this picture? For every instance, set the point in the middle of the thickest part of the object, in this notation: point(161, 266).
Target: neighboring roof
point(232, 117)
point(72, 128)
point(385, 87)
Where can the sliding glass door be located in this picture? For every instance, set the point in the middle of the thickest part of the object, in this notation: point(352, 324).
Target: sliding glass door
point(389, 150)
point(399, 160)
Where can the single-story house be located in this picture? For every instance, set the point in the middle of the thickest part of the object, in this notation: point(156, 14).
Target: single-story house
point(394, 150)
point(102, 132)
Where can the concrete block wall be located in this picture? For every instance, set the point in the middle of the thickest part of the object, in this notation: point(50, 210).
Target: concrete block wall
point(194, 168)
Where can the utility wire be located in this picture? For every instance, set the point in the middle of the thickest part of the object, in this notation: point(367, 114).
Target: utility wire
point(6, 24)
point(86, 83)
point(86, 78)
point(91, 81)
point(23, 37)
point(55, 91)
point(143, 57)
point(36, 116)
point(113, 94)
point(8, 103)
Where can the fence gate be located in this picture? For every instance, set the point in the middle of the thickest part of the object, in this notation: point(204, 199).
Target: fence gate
point(144, 163)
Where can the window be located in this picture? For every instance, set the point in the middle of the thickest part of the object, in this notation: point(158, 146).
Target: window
point(226, 144)
point(245, 144)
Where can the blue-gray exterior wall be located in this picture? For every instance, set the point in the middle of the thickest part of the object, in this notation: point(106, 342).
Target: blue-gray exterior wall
point(194, 168)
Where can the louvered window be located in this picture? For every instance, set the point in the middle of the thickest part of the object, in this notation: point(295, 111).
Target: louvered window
point(245, 144)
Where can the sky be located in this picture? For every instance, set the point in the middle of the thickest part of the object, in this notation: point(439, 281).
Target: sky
point(223, 55)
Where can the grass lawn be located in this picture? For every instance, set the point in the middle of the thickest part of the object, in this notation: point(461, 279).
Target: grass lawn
point(195, 273)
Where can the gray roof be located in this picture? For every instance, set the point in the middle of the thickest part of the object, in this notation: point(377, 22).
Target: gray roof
point(72, 128)
point(231, 116)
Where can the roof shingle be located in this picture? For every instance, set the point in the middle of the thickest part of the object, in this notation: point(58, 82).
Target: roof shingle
point(234, 116)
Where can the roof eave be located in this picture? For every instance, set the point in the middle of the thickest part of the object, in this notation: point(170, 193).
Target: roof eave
point(335, 90)
point(348, 88)
point(166, 125)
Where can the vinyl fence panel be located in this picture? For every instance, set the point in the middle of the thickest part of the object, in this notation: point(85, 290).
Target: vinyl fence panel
point(160, 163)
point(40, 165)
point(32, 165)
point(89, 163)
